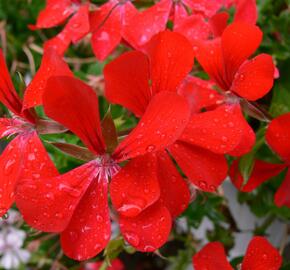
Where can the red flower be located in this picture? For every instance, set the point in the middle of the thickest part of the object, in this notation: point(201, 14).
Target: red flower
point(57, 12)
point(239, 79)
point(108, 24)
point(134, 78)
point(277, 137)
point(260, 255)
point(76, 203)
point(116, 264)
point(25, 155)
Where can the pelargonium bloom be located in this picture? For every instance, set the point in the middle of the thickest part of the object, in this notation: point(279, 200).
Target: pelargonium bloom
point(238, 79)
point(260, 255)
point(277, 137)
point(57, 12)
point(194, 19)
point(76, 203)
point(25, 155)
point(134, 78)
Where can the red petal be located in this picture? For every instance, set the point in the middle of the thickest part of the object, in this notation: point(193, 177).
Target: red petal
point(106, 27)
point(52, 65)
point(171, 59)
point(205, 169)
point(209, 55)
point(89, 229)
point(164, 120)
point(6, 127)
point(282, 196)
point(211, 257)
point(136, 186)
point(79, 25)
point(175, 193)
point(144, 25)
point(149, 230)
point(200, 94)
point(239, 41)
point(247, 141)
point(10, 161)
point(127, 81)
point(278, 136)
point(255, 77)
point(246, 11)
point(219, 131)
point(59, 43)
point(193, 27)
point(208, 8)
point(24, 157)
point(116, 264)
point(262, 171)
point(56, 198)
point(8, 94)
point(55, 12)
point(218, 23)
point(74, 104)
point(261, 255)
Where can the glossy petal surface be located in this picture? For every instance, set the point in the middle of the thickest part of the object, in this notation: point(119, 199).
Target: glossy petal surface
point(147, 231)
point(136, 186)
point(204, 169)
point(174, 190)
point(171, 59)
point(255, 77)
point(52, 65)
point(261, 255)
point(262, 171)
point(219, 131)
point(56, 198)
point(89, 230)
point(127, 81)
point(74, 104)
point(211, 257)
point(164, 120)
point(278, 136)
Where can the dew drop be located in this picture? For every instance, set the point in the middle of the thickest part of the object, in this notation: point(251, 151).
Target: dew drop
point(150, 148)
point(132, 238)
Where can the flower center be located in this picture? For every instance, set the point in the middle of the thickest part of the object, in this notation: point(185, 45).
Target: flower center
point(17, 125)
point(106, 167)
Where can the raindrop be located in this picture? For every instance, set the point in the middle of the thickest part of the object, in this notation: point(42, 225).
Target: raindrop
point(132, 238)
point(150, 148)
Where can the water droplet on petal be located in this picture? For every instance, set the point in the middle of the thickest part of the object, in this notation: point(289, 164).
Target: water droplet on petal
point(150, 148)
point(132, 238)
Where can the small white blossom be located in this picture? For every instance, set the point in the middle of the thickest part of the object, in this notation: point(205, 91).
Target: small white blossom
point(11, 241)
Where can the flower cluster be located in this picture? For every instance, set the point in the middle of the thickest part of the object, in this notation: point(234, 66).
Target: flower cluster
point(187, 130)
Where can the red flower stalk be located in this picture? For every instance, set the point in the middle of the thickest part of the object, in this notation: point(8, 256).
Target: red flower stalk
point(260, 255)
point(76, 204)
point(277, 137)
point(25, 155)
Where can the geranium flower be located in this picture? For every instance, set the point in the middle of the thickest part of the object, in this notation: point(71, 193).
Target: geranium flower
point(277, 137)
point(56, 13)
point(76, 204)
point(25, 155)
point(11, 242)
point(135, 77)
point(260, 255)
point(238, 79)
point(194, 19)
point(116, 264)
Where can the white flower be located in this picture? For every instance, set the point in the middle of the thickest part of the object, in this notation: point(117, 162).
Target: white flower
point(11, 241)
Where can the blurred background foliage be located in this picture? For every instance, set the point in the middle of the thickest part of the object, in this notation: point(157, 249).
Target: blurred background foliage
point(23, 50)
